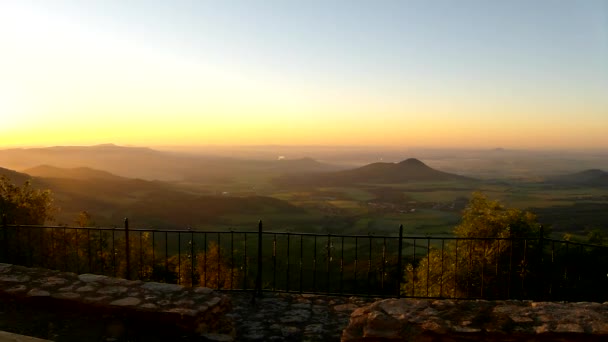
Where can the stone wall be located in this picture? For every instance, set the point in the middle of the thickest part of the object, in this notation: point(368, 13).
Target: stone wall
point(291, 317)
point(198, 310)
point(449, 320)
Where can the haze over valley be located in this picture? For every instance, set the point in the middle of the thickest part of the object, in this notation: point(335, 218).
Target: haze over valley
point(208, 190)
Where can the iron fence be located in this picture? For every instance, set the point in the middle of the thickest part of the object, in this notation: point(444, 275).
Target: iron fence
point(537, 268)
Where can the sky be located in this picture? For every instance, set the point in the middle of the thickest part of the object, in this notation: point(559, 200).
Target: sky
point(466, 74)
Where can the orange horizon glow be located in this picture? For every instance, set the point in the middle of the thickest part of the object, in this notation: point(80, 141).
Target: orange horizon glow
point(72, 75)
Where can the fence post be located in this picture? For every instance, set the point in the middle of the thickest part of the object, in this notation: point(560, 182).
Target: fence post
point(127, 248)
point(4, 238)
point(541, 283)
point(400, 261)
point(258, 279)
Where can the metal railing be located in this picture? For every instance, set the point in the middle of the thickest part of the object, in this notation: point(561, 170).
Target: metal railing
point(364, 265)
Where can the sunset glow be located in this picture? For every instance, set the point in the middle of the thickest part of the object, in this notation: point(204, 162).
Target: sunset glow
point(406, 73)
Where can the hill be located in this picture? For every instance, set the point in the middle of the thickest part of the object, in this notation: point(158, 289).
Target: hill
point(592, 177)
point(409, 170)
point(48, 171)
point(150, 203)
point(14, 176)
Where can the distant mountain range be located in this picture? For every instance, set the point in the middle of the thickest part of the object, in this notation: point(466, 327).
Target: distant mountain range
point(409, 170)
point(146, 163)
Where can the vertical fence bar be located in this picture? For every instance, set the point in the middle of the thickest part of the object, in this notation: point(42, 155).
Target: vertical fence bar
point(301, 261)
point(287, 275)
point(441, 279)
point(5, 239)
point(127, 248)
point(17, 250)
point(245, 261)
point(231, 260)
point(114, 251)
point(205, 263)
point(328, 262)
point(342, 266)
point(428, 264)
point(166, 256)
point(524, 269)
point(510, 270)
point(356, 260)
point(455, 268)
point(414, 270)
point(219, 260)
point(153, 253)
point(30, 250)
point(483, 267)
point(258, 280)
point(399, 261)
point(369, 267)
point(100, 257)
point(541, 282)
point(141, 256)
point(274, 261)
point(314, 266)
point(383, 264)
point(551, 271)
point(88, 249)
point(179, 258)
point(65, 250)
point(192, 259)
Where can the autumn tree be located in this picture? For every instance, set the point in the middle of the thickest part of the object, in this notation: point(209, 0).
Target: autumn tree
point(488, 260)
point(211, 269)
point(24, 204)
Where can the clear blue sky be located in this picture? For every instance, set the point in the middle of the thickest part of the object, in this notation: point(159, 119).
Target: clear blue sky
point(412, 73)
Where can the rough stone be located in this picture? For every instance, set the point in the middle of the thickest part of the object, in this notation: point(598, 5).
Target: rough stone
point(53, 281)
point(203, 290)
point(38, 293)
point(129, 301)
point(161, 287)
point(16, 289)
point(86, 288)
point(15, 279)
point(113, 290)
point(89, 278)
point(217, 337)
point(151, 306)
point(66, 295)
point(425, 320)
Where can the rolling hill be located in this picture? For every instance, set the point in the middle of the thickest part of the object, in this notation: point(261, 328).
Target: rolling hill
point(82, 173)
point(409, 170)
point(591, 177)
point(16, 177)
point(109, 198)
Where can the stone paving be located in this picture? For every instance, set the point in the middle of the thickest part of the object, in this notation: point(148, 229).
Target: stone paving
point(292, 317)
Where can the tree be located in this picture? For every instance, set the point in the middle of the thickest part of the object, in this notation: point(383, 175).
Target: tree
point(488, 260)
point(24, 205)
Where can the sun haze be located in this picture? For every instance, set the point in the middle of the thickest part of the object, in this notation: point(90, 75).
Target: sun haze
point(524, 74)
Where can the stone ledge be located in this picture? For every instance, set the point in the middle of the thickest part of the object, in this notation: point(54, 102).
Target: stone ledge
point(10, 337)
point(196, 310)
point(449, 320)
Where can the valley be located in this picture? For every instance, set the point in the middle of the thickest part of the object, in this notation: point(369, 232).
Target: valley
point(176, 190)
